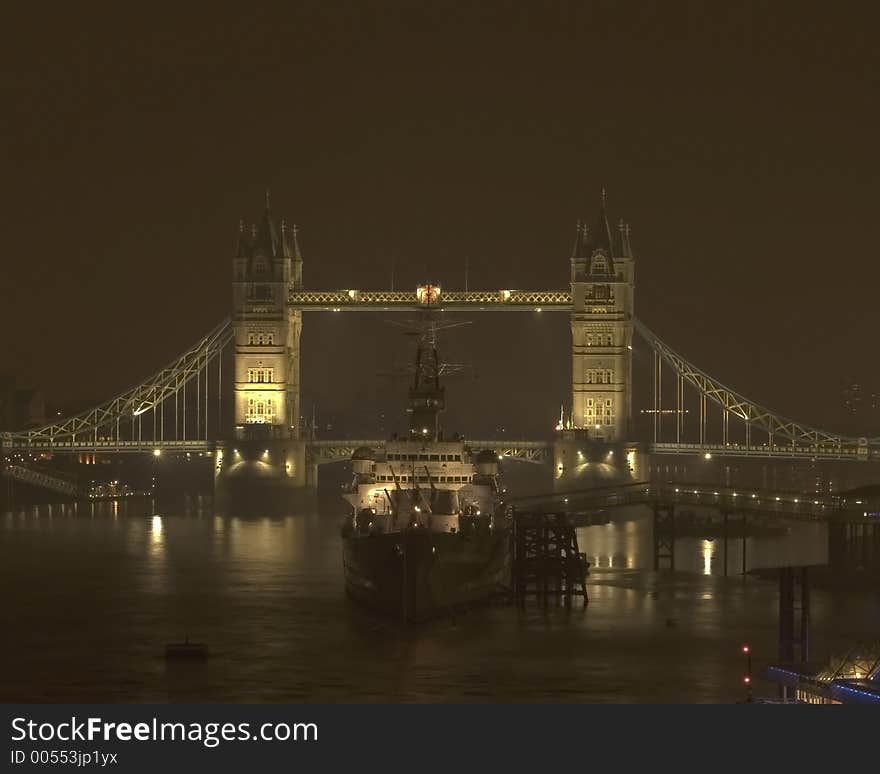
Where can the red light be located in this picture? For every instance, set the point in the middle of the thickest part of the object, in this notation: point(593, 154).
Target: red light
point(747, 679)
point(746, 649)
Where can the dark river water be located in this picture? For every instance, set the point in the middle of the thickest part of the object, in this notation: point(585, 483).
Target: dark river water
point(91, 594)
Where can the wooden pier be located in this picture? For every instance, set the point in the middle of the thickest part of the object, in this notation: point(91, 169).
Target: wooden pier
point(546, 558)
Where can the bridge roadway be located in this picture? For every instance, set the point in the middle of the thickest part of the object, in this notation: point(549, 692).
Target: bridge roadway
point(740, 500)
point(331, 450)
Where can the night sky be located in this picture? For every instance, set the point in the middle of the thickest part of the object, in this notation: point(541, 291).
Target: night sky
point(740, 141)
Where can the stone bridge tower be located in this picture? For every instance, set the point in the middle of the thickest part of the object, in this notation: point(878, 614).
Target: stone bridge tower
point(265, 455)
point(594, 444)
point(602, 285)
point(267, 264)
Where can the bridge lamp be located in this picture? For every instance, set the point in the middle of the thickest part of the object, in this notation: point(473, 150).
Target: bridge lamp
point(707, 456)
point(537, 308)
point(777, 499)
point(734, 494)
point(500, 457)
point(597, 427)
point(157, 452)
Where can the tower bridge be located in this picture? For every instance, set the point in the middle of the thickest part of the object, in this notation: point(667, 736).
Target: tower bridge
point(178, 408)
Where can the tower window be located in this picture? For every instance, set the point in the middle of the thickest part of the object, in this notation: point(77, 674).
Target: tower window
point(261, 375)
point(599, 376)
point(260, 410)
point(261, 338)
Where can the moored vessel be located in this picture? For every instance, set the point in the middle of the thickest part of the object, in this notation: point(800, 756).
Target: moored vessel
point(428, 531)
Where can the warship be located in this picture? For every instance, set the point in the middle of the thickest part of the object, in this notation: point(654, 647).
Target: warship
point(428, 531)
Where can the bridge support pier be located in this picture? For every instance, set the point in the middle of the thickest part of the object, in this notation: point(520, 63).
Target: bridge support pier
point(258, 474)
point(664, 535)
point(580, 462)
point(792, 580)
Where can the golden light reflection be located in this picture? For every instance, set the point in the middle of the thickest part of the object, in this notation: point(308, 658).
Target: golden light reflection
point(156, 537)
point(708, 551)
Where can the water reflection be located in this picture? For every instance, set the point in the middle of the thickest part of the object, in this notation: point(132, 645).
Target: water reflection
point(708, 551)
point(156, 536)
point(266, 594)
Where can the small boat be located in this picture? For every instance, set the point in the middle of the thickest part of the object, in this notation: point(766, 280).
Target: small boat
point(186, 650)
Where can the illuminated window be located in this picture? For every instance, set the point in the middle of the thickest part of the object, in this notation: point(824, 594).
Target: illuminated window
point(261, 375)
point(260, 410)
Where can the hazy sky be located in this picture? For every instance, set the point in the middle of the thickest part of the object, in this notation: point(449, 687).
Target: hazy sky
point(739, 139)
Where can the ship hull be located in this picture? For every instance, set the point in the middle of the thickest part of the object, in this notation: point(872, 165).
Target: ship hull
point(416, 575)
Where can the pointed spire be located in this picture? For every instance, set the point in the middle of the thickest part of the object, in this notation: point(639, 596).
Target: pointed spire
point(579, 240)
point(266, 239)
point(244, 242)
point(599, 236)
point(627, 245)
point(296, 251)
point(269, 198)
point(289, 241)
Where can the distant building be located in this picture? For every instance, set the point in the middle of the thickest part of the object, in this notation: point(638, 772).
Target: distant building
point(19, 407)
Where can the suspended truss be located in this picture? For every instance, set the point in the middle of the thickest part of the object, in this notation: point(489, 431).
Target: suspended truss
point(82, 430)
point(52, 480)
point(796, 437)
point(448, 300)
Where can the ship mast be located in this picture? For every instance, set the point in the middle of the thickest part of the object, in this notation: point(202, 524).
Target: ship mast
point(426, 397)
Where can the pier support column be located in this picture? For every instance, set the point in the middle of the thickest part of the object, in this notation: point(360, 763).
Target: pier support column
point(664, 535)
point(580, 462)
point(259, 473)
point(794, 583)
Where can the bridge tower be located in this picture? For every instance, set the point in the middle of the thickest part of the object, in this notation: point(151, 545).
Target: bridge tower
point(600, 424)
point(267, 264)
point(602, 285)
point(266, 450)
